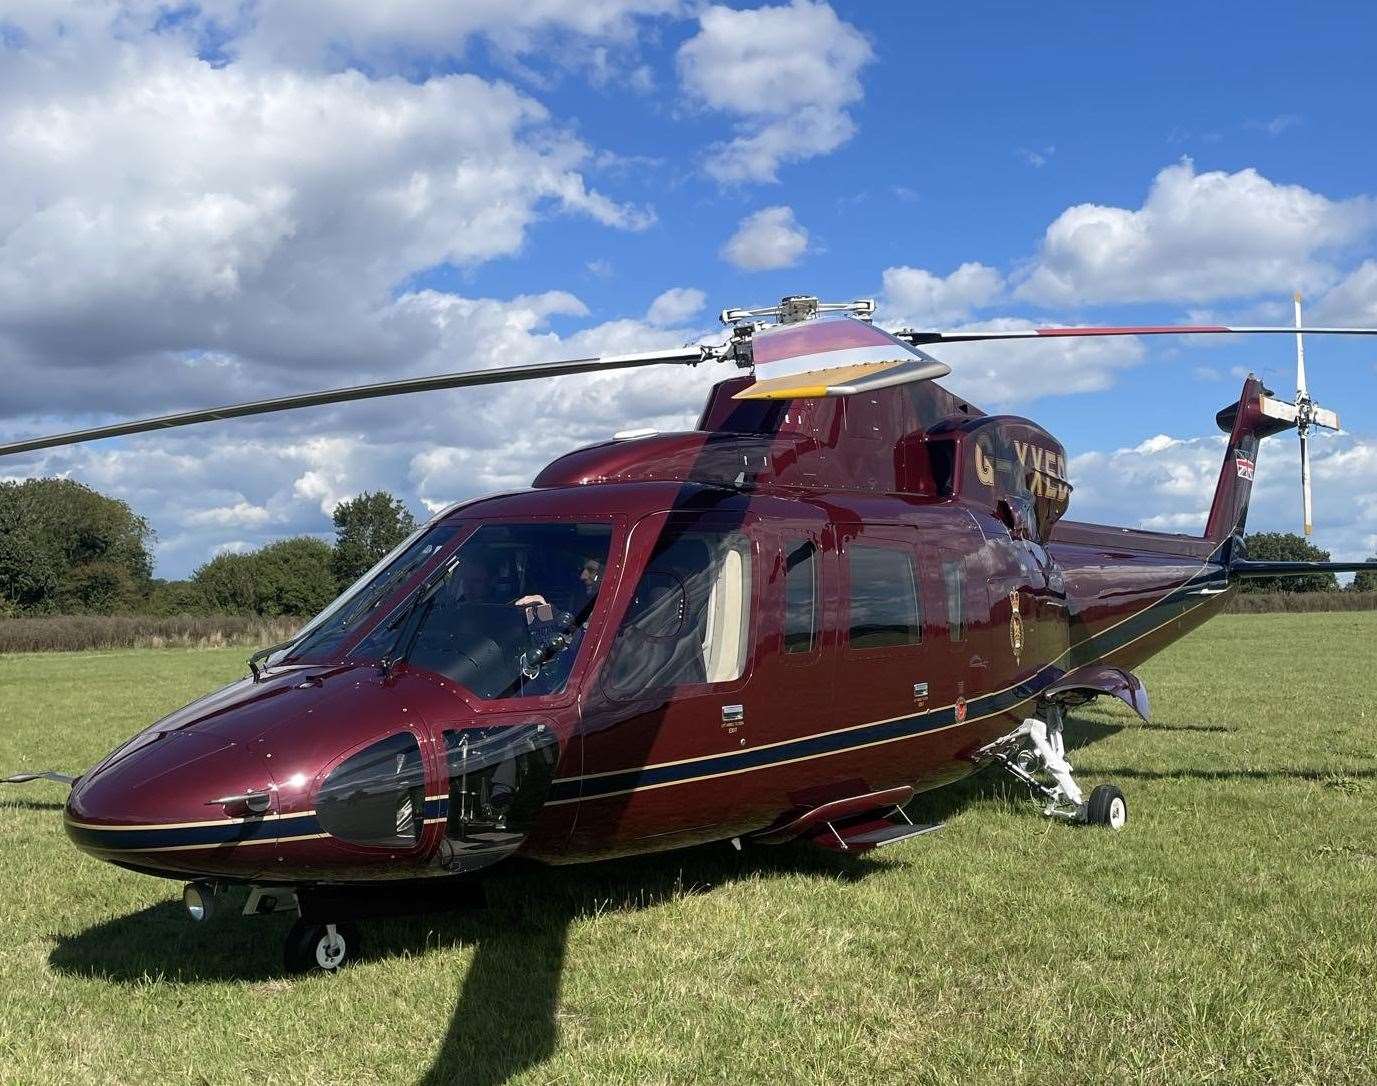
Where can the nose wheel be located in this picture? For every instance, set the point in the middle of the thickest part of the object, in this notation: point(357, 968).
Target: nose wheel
point(323, 948)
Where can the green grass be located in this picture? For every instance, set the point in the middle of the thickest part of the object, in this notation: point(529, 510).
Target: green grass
point(1227, 935)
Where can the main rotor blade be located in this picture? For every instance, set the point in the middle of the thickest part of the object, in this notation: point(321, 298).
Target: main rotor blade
point(462, 379)
point(917, 336)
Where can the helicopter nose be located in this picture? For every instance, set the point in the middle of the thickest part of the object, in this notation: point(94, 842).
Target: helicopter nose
point(179, 802)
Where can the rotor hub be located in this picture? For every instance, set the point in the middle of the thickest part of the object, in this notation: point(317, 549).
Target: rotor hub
point(793, 308)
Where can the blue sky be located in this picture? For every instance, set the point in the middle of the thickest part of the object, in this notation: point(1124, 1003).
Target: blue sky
point(233, 200)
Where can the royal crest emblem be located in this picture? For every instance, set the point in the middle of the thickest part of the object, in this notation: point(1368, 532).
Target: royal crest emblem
point(1015, 625)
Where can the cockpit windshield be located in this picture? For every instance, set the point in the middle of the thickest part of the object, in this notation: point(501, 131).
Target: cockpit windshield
point(504, 616)
point(323, 636)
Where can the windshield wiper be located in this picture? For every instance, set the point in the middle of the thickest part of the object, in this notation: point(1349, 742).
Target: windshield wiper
point(404, 623)
point(263, 654)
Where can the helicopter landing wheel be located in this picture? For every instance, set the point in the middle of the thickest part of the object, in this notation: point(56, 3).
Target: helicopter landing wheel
point(324, 947)
point(1107, 807)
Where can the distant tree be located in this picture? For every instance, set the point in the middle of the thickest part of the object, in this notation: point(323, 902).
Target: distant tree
point(1287, 547)
point(64, 545)
point(98, 588)
point(227, 584)
point(293, 576)
point(28, 571)
point(175, 598)
point(1365, 580)
point(366, 528)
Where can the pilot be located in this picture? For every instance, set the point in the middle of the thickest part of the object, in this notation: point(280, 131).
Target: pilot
point(558, 634)
point(590, 577)
point(477, 584)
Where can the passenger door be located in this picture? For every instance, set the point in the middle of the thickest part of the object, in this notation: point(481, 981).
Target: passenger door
point(885, 667)
point(675, 687)
point(963, 648)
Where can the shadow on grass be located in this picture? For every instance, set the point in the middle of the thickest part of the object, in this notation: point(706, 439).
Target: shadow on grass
point(505, 1017)
point(1280, 774)
point(29, 805)
point(1149, 727)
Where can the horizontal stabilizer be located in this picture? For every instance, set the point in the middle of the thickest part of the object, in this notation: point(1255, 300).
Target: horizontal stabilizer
point(1243, 567)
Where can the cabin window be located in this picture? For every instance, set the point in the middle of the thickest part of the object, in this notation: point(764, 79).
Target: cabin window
point(800, 596)
point(884, 598)
point(689, 618)
point(376, 797)
point(954, 576)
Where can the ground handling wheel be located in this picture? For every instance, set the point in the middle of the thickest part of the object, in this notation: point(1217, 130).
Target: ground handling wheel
point(1107, 807)
point(324, 947)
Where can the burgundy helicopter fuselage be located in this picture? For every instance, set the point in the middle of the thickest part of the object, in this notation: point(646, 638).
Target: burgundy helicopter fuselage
point(821, 720)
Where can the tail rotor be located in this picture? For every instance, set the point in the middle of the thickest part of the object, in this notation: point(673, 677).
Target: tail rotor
point(1308, 414)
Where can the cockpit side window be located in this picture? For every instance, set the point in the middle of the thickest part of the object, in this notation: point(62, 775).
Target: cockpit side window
point(689, 619)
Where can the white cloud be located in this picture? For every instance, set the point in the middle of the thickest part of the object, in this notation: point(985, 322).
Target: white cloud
point(241, 513)
point(1198, 236)
point(155, 202)
point(1353, 300)
point(1000, 375)
point(675, 306)
point(786, 73)
point(1166, 483)
point(920, 299)
point(770, 238)
point(1275, 126)
point(397, 37)
point(176, 232)
point(1037, 157)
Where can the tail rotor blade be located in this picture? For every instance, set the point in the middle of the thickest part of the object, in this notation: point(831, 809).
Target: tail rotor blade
point(1301, 391)
point(1305, 481)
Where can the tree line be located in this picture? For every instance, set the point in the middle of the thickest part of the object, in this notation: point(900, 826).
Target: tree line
point(68, 549)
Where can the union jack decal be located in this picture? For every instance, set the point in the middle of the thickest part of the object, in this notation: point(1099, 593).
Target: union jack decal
point(1245, 467)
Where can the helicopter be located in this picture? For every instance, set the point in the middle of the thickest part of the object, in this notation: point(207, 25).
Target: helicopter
point(845, 586)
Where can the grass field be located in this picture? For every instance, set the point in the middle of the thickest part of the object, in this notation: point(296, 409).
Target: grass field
point(1227, 935)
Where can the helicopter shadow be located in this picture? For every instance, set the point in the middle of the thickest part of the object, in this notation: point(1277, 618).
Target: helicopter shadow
point(1147, 726)
point(505, 1018)
point(506, 1014)
point(29, 805)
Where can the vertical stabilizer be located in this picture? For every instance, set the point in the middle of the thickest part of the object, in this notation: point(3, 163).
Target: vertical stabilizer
point(1256, 415)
